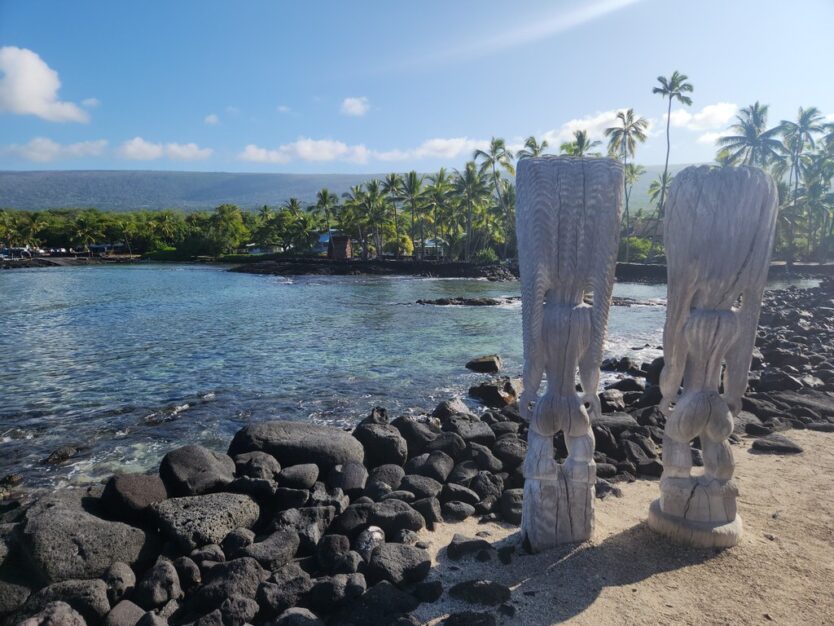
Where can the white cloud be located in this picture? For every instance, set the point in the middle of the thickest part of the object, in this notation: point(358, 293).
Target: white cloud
point(283, 108)
point(708, 138)
point(356, 107)
point(43, 150)
point(90, 103)
point(28, 86)
point(710, 117)
point(438, 148)
point(306, 149)
point(595, 125)
point(211, 119)
point(187, 152)
point(138, 149)
point(232, 110)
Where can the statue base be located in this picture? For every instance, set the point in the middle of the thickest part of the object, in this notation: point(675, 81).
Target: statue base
point(693, 533)
point(559, 509)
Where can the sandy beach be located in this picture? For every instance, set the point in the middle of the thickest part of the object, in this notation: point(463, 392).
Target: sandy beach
point(782, 572)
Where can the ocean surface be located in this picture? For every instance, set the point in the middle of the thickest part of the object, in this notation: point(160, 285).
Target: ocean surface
point(124, 363)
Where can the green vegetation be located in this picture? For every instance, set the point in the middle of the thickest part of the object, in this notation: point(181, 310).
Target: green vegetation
point(800, 155)
point(469, 213)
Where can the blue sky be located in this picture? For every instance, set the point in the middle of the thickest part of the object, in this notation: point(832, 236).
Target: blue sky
point(384, 86)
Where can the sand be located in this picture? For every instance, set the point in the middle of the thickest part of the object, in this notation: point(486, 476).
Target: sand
point(782, 571)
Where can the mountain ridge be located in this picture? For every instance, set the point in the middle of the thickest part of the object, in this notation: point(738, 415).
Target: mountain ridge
point(128, 190)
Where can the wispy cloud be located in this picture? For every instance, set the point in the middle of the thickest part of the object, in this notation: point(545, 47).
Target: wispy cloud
point(710, 117)
point(509, 37)
point(283, 108)
point(43, 150)
point(211, 119)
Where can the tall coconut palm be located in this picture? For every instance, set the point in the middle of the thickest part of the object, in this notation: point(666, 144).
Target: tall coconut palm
point(293, 205)
point(497, 157)
point(622, 142)
point(532, 148)
point(673, 88)
point(751, 143)
point(798, 136)
point(412, 192)
point(437, 194)
point(472, 190)
point(325, 204)
point(392, 188)
point(581, 145)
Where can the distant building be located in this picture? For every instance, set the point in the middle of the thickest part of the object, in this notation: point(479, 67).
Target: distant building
point(339, 247)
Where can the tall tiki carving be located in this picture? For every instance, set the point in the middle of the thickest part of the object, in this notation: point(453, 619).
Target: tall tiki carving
point(718, 234)
point(568, 223)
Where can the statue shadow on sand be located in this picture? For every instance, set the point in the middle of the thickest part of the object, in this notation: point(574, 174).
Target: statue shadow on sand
point(566, 580)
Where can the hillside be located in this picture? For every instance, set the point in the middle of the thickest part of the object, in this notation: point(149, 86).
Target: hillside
point(131, 190)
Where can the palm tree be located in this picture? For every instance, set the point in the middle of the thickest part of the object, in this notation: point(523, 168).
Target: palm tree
point(623, 140)
point(87, 230)
point(752, 142)
point(325, 204)
point(659, 188)
point(412, 188)
point(673, 88)
point(354, 218)
point(495, 157)
point(632, 174)
point(532, 148)
point(293, 205)
point(438, 196)
point(581, 145)
point(392, 187)
point(472, 189)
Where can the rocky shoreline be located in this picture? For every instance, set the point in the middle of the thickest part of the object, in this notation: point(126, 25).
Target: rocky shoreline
point(305, 524)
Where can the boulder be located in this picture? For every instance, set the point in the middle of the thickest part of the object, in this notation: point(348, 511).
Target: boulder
point(462, 546)
point(399, 563)
point(87, 597)
point(257, 465)
point(238, 611)
point(776, 444)
point(417, 434)
point(484, 458)
point(487, 364)
point(367, 541)
point(389, 474)
point(188, 572)
point(283, 589)
point(350, 478)
point(509, 505)
point(774, 380)
point(302, 476)
point(455, 492)
point(498, 393)
point(391, 516)
point(486, 484)
point(293, 443)
point(510, 451)
point(456, 511)
point(61, 541)
point(382, 444)
point(298, 617)
point(448, 408)
point(238, 577)
point(128, 496)
point(120, 581)
point(449, 443)
point(275, 551)
point(379, 605)
point(330, 592)
point(125, 613)
point(463, 473)
point(55, 614)
point(236, 540)
point(470, 429)
point(421, 486)
point(481, 592)
point(309, 523)
point(429, 508)
point(611, 401)
point(194, 470)
point(160, 584)
point(194, 521)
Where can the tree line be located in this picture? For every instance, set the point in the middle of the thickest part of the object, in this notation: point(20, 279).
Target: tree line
point(469, 213)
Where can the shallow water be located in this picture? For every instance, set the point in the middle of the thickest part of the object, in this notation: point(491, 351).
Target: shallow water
point(128, 362)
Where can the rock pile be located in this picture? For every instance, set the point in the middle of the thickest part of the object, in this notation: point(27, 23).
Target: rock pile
point(305, 524)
